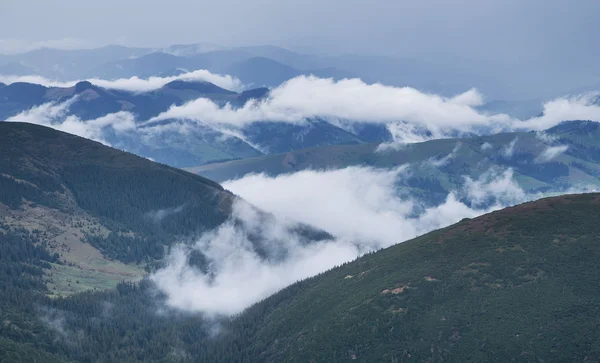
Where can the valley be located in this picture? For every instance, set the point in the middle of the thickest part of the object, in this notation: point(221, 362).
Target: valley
point(278, 182)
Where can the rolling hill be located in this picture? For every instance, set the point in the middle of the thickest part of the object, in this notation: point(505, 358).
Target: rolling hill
point(514, 285)
point(88, 201)
point(106, 213)
point(177, 142)
point(564, 156)
point(77, 216)
point(517, 285)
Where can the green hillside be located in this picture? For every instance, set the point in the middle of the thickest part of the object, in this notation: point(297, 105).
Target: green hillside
point(517, 285)
point(520, 284)
point(77, 218)
point(106, 213)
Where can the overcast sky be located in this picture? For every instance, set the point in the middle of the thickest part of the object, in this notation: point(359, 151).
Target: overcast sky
point(550, 37)
point(470, 28)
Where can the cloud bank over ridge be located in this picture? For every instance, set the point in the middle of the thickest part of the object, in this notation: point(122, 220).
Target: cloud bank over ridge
point(409, 114)
point(136, 84)
point(359, 206)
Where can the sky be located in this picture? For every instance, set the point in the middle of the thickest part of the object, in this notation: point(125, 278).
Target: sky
point(523, 41)
point(472, 29)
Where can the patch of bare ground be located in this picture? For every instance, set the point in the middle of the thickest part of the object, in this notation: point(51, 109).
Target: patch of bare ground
point(396, 290)
point(64, 234)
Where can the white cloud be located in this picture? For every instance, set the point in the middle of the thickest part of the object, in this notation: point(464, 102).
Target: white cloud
point(55, 115)
point(486, 146)
point(509, 150)
point(350, 100)
point(136, 84)
point(496, 187)
point(550, 153)
point(438, 162)
point(363, 192)
point(360, 207)
point(238, 275)
point(409, 115)
point(581, 107)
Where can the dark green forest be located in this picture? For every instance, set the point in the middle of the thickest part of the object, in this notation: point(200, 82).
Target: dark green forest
point(126, 192)
point(520, 284)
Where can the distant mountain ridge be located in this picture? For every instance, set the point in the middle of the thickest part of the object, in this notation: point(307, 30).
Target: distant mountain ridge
point(567, 155)
point(80, 192)
point(201, 143)
point(259, 65)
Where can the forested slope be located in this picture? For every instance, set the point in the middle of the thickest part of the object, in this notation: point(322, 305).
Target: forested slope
point(142, 204)
point(515, 285)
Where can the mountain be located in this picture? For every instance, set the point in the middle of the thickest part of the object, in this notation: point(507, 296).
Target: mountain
point(68, 65)
point(521, 109)
point(519, 284)
point(276, 137)
point(260, 71)
point(564, 156)
point(285, 56)
point(15, 69)
point(77, 216)
point(95, 192)
point(144, 66)
point(514, 285)
point(200, 143)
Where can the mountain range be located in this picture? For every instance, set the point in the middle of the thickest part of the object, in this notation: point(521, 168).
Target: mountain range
point(562, 157)
point(257, 66)
point(517, 284)
point(198, 143)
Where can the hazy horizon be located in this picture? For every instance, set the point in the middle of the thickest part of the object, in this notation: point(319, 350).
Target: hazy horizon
point(538, 48)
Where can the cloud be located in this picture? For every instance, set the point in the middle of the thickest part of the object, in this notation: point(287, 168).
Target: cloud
point(580, 107)
point(237, 275)
point(486, 146)
point(160, 214)
point(438, 162)
point(410, 115)
point(550, 153)
point(509, 150)
point(350, 100)
point(136, 84)
point(360, 207)
point(495, 187)
point(55, 115)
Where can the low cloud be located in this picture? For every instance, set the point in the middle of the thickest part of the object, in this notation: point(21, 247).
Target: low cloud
point(486, 146)
point(508, 150)
point(550, 153)
point(349, 100)
point(580, 107)
point(439, 162)
point(160, 214)
point(237, 273)
point(409, 115)
point(360, 207)
point(55, 115)
point(136, 84)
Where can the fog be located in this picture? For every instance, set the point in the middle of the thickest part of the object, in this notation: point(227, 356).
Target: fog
point(360, 207)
